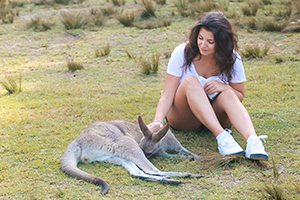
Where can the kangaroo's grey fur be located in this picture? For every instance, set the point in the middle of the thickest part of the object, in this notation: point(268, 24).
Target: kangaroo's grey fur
point(122, 143)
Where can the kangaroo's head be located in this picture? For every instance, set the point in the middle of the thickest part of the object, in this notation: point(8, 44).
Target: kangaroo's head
point(151, 142)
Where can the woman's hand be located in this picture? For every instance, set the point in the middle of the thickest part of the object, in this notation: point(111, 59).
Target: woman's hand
point(214, 86)
point(153, 124)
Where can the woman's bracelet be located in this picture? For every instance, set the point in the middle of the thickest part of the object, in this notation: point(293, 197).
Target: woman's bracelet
point(158, 120)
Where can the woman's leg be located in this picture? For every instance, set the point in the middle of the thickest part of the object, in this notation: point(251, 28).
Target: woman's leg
point(230, 110)
point(191, 108)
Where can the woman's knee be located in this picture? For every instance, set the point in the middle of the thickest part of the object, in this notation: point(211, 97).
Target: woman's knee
point(227, 95)
point(191, 82)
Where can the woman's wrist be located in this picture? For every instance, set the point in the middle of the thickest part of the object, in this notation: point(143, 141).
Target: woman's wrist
point(158, 120)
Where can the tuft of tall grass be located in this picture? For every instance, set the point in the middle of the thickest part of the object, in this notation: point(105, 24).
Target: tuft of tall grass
point(266, 2)
point(251, 8)
point(119, 2)
point(6, 15)
point(272, 25)
point(146, 24)
point(207, 5)
point(38, 2)
point(109, 10)
point(274, 167)
point(252, 22)
point(274, 191)
point(201, 6)
point(246, 10)
point(34, 22)
point(46, 25)
point(126, 19)
point(129, 55)
point(160, 2)
point(10, 85)
point(73, 66)
point(37, 23)
point(286, 2)
point(98, 18)
point(149, 66)
point(268, 12)
point(183, 7)
point(63, 2)
point(71, 21)
point(232, 14)
point(254, 51)
point(224, 5)
point(67, 2)
point(103, 52)
point(148, 9)
point(15, 4)
point(297, 5)
point(284, 13)
point(278, 59)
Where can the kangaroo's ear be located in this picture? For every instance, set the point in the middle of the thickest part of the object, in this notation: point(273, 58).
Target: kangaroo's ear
point(144, 127)
point(161, 133)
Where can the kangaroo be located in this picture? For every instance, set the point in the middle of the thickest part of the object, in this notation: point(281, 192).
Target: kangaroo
point(123, 143)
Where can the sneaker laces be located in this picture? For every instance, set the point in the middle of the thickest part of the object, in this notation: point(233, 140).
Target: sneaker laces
point(228, 140)
point(257, 143)
point(263, 137)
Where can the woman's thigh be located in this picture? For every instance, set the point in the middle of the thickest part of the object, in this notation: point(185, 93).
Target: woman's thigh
point(219, 105)
point(180, 116)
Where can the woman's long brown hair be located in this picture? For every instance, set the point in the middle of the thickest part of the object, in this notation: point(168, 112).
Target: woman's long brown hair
point(225, 39)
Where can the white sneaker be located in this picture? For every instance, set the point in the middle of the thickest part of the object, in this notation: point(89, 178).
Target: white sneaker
point(227, 145)
point(255, 148)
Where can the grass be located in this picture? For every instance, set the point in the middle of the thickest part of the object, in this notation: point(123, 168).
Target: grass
point(54, 106)
point(274, 191)
point(126, 19)
point(73, 66)
point(103, 52)
point(10, 85)
point(255, 51)
point(148, 9)
point(73, 21)
point(148, 66)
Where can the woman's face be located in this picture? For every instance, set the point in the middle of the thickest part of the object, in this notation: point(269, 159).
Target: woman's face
point(206, 42)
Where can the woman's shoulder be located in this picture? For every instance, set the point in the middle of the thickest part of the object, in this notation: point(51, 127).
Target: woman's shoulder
point(180, 47)
point(237, 55)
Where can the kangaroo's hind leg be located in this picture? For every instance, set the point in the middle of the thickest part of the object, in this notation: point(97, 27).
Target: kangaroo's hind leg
point(137, 156)
point(132, 168)
point(144, 164)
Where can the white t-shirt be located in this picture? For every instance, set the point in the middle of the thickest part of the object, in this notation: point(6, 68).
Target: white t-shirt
point(177, 60)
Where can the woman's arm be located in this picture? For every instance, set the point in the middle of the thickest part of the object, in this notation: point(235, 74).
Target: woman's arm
point(239, 90)
point(166, 99)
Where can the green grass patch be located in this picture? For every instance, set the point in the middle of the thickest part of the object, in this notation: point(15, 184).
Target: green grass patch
point(55, 104)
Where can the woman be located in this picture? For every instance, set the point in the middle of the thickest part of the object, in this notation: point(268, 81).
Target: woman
point(205, 86)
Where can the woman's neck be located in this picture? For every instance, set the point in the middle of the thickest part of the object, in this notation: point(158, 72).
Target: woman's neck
point(206, 66)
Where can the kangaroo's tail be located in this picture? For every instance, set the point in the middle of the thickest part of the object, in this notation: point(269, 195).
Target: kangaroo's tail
point(69, 163)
